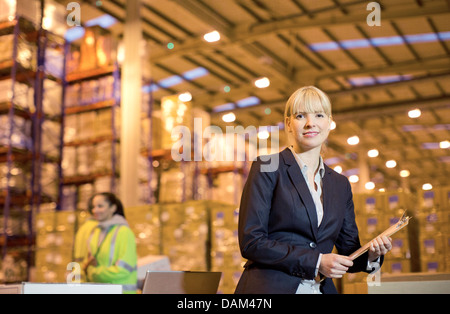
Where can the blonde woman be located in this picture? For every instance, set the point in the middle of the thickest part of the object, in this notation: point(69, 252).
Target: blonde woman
point(292, 217)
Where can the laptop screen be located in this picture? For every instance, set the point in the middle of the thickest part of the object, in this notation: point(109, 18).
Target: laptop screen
point(181, 282)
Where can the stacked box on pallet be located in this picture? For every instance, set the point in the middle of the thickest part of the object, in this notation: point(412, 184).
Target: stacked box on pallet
point(432, 221)
point(54, 243)
point(445, 205)
point(185, 235)
point(225, 253)
point(144, 221)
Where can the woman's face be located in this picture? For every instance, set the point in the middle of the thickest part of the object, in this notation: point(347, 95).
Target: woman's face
point(309, 130)
point(101, 209)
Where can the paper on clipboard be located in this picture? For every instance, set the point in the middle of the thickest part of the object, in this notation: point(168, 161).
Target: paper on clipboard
point(403, 222)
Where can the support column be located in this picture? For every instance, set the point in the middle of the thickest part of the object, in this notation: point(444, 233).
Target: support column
point(364, 171)
point(131, 99)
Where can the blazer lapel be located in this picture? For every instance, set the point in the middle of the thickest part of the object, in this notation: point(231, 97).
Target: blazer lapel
point(299, 182)
point(327, 197)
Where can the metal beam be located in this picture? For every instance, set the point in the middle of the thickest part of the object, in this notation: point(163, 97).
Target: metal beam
point(370, 88)
point(425, 64)
point(390, 108)
point(366, 112)
point(249, 33)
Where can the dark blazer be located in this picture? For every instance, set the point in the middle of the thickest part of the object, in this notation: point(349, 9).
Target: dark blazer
point(278, 232)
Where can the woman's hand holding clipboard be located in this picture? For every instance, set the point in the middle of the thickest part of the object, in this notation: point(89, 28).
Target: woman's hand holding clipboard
point(403, 222)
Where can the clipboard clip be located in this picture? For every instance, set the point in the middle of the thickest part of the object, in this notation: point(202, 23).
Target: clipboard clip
point(403, 220)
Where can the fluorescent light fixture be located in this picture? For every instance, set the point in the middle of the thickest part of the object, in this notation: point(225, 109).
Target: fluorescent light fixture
point(352, 172)
point(74, 33)
point(362, 81)
point(369, 186)
point(224, 107)
point(150, 88)
point(387, 41)
point(195, 73)
point(248, 102)
point(418, 127)
point(393, 78)
point(427, 187)
point(333, 160)
point(176, 79)
point(430, 145)
point(442, 127)
point(353, 44)
point(412, 128)
point(170, 81)
point(104, 21)
point(384, 79)
point(331, 45)
point(381, 41)
point(212, 37)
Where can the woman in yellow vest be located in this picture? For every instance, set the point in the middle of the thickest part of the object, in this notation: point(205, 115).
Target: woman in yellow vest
point(105, 245)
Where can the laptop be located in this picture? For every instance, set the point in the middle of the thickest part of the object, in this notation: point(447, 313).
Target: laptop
point(181, 282)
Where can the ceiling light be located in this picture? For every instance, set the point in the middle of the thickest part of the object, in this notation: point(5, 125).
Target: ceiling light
point(104, 21)
point(262, 82)
point(415, 113)
point(369, 186)
point(404, 173)
point(185, 97)
point(444, 144)
point(354, 140)
point(229, 117)
point(338, 169)
point(354, 178)
point(373, 153)
point(212, 37)
point(391, 163)
point(427, 187)
point(332, 125)
point(263, 135)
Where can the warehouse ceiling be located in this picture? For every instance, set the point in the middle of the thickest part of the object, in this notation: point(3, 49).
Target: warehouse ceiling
point(374, 75)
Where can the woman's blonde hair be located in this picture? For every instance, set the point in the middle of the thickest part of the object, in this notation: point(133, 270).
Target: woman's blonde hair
point(308, 99)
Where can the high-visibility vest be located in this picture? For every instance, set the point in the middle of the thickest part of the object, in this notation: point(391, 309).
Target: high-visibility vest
point(114, 248)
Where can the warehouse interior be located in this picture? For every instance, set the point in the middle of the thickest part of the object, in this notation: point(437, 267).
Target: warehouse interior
point(69, 126)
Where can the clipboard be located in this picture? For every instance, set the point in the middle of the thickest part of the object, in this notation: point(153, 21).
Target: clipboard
point(403, 222)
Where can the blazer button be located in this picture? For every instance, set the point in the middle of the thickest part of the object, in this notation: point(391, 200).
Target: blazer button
point(312, 245)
